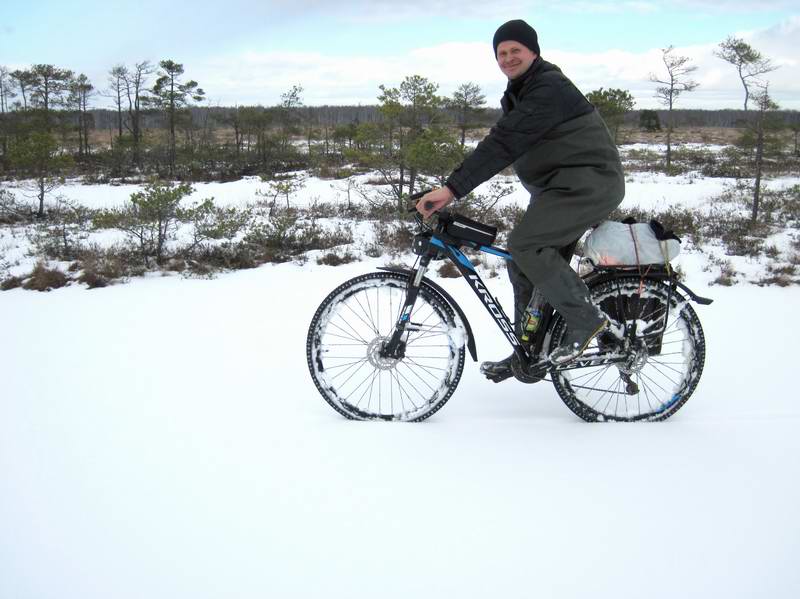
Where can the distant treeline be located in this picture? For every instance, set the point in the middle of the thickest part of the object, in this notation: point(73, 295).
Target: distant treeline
point(347, 115)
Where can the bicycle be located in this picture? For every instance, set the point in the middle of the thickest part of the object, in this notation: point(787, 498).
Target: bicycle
point(390, 345)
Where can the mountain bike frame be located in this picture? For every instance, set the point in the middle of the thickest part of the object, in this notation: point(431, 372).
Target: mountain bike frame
point(437, 244)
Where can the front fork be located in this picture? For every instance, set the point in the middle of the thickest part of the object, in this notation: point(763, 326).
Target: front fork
point(395, 347)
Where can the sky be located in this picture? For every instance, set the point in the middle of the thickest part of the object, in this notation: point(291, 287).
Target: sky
point(243, 52)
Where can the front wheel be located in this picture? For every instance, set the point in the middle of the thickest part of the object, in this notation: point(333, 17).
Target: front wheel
point(347, 334)
point(661, 368)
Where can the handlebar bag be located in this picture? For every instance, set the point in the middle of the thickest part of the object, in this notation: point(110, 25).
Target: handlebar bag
point(467, 229)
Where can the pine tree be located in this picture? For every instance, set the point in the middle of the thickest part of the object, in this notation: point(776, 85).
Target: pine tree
point(763, 130)
point(134, 81)
point(613, 105)
point(24, 80)
point(80, 90)
point(115, 86)
point(407, 110)
point(49, 88)
point(676, 83)
point(171, 95)
point(649, 121)
point(749, 62)
point(467, 102)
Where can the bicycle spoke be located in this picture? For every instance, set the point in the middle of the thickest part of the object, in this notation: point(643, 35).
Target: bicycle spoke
point(370, 325)
point(327, 367)
point(416, 374)
point(366, 385)
point(345, 371)
point(403, 391)
point(410, 384)
point(428, 369)
point(324, 345)
point(366, 389)
point(357, 337)
point(643, 386)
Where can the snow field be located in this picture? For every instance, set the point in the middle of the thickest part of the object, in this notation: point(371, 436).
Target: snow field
point(163, 439)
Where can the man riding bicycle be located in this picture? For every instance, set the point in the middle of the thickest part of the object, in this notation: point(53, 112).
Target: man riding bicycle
point(565, 157)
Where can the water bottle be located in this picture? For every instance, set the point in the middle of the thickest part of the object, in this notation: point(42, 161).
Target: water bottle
point(532, 316)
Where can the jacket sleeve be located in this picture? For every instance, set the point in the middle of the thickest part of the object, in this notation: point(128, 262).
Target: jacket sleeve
point(515, 133)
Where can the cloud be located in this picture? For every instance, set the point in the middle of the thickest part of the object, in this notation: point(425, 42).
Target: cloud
point(262, 77)
point(258, 77)
point(388, 10)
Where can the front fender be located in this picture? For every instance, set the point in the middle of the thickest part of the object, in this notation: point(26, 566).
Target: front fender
point(473, 352)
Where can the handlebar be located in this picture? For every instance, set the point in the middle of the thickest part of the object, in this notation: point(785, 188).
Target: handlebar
point(417, 196)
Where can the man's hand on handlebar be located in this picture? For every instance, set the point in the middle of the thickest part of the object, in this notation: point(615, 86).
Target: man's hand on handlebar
point(435, 200)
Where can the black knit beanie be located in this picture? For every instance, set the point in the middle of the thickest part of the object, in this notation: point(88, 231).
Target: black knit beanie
point(517, 31)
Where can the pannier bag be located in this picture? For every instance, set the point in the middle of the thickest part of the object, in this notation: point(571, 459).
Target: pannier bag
point(630, 243)
point(467, 229)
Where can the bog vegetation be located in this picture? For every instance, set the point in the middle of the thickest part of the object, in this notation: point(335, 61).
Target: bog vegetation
point(160, 135)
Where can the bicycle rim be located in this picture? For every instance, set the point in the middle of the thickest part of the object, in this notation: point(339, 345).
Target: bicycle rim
point(344, 342)
point(662, 371)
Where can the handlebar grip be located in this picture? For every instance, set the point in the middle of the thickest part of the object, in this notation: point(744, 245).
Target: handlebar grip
point(418, 195)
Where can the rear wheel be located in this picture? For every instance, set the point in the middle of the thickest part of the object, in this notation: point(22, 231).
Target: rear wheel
point(661, 370)
point(344, 345)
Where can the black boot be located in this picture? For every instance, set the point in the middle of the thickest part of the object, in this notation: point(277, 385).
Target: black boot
point(499, 371)
point(574, 344)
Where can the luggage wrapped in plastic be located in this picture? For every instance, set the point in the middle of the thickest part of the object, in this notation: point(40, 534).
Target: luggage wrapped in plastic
point(630, 244)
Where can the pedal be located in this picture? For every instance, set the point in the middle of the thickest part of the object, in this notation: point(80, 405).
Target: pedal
point(498, 377)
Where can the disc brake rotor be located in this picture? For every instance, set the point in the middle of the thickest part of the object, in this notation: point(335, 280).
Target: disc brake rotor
point(374, 355)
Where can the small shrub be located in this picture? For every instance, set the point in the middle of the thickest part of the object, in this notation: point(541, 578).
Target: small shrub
point(781, 280)
point(11, 283)
point(374, 250)
point(222, 257)
point(102, 266)
point(45, 279)
point(727, 273)
point(448, 270)
point(200, 269)
point(781, 206)
point(782, 269)
point(175, 265)
point(334, 259)
point(93, 280)
point(323, 210)
point(273, 255)
point(725, 279)
point(395, 238)
point(739, 244)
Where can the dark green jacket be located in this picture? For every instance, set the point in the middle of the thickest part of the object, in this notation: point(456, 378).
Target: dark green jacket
point(547, 127)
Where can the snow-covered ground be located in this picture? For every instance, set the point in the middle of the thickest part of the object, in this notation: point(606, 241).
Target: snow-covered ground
point(643, 190)
point(163, 439)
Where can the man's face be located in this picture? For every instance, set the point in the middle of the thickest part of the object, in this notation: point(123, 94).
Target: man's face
point(513, 58)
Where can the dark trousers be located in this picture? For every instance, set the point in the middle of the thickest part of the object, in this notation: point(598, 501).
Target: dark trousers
point(558, 216)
